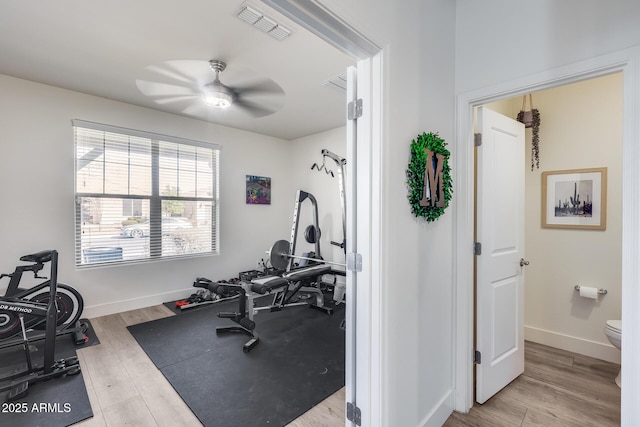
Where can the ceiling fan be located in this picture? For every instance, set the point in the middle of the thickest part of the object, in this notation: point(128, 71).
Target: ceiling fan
point(187, 85)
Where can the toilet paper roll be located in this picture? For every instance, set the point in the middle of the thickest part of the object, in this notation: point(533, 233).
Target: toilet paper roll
point(588, 292)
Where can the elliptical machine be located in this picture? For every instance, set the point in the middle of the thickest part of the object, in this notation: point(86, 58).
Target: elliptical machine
point(17, 381)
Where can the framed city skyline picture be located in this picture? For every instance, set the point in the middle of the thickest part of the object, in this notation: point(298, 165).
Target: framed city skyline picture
point(575, 198)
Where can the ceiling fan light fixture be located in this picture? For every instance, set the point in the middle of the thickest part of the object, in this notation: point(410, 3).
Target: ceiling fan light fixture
point(216, 96)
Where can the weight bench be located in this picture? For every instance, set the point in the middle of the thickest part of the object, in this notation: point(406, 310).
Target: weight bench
point(284, 287)
point(290, 284)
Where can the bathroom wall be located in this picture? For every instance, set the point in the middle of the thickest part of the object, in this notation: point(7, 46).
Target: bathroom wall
point(581, 127)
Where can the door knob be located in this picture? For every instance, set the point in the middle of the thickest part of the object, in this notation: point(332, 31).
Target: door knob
point(523, 262)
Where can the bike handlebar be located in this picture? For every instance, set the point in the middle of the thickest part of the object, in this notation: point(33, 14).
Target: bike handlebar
point(22, 268)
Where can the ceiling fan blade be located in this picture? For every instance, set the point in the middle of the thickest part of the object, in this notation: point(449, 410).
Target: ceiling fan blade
point(262, 87)
point(176, 99)
point(150, 88)
point(193, 70)
point(167, 71)
point(197, 109)
point(254, 109)
point(184, 72)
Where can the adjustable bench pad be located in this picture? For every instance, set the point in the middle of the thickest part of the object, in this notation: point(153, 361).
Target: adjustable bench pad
point(266, 284)
point(307, 272)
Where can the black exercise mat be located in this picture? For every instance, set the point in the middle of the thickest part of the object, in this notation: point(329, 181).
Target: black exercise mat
point(298, 362)
point(52, 403)
point(63, 342)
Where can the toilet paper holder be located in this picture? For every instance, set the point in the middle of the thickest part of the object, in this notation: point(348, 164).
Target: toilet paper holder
point(600, 291)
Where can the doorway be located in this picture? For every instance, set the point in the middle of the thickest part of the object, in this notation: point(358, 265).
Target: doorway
point(581, 128)
point(576, 119)
point(363, 150)
point(618, 62)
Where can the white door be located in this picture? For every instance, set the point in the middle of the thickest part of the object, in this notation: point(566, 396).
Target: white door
point(500, 232)
point(351, 240)
point(361, 380)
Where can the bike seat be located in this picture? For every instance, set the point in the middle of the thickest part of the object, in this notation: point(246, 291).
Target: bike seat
point(39, 257)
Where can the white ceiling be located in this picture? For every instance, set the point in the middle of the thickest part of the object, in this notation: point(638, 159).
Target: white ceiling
point(114, 48)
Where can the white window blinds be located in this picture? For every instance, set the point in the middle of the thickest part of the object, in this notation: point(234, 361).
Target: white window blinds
point(143, 196)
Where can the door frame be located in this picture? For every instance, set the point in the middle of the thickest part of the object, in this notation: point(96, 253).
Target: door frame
point(628, 62)
point(362, 379)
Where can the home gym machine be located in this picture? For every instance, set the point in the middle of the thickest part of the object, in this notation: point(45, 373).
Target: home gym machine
point(302, 279)
point(300, 276)
point(340, 163)
point(17, 381)
point(339, 288)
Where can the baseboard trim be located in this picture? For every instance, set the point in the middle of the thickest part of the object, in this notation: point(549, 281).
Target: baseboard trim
point(134, 304)
point(440, 412)
point(598, 350)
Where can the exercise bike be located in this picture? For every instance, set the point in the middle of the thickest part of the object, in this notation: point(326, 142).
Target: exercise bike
point(27, 311)
point(69, 304)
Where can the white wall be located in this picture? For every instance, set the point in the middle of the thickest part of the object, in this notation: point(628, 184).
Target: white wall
point(581, 128)
point(501, 40)
point(37, 176)
point(416, 306)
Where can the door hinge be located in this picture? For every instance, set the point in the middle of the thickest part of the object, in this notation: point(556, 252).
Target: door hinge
point(353, 414)
point(354, 109)
point(477, 248)
point(477, 139)
point(477, 357)
point(354, 262)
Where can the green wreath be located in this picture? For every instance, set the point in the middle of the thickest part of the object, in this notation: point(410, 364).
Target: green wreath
point(416, 172)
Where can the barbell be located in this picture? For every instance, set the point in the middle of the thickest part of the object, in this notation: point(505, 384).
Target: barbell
point(279, 256)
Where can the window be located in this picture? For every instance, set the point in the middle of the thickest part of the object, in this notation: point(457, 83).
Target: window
point(142, 196)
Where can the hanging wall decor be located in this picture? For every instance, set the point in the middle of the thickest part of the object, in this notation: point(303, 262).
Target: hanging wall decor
point(258, 190)
point(429, 177)
point(531, 119)
point(575, 198)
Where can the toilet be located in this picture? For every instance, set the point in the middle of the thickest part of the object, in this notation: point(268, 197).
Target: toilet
point(613, 331)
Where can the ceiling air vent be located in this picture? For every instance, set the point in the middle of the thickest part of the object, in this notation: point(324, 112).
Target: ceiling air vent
point(337, 82)
point(280, 32)
point(255, 17)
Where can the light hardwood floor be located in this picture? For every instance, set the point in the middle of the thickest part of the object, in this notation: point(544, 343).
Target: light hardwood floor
point(558, 388)
point(126, 388)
